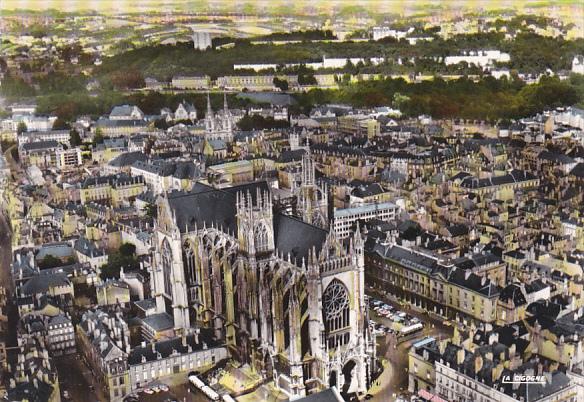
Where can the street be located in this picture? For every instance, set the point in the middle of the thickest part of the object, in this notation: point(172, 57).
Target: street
point(394, 352)
point(75, 378)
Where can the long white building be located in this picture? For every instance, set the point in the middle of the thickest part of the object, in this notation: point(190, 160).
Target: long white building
point(345, 218)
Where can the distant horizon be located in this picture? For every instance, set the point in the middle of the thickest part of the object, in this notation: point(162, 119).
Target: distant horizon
point(403, 7)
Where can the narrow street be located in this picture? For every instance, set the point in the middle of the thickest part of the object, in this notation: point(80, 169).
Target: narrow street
point(76, 378)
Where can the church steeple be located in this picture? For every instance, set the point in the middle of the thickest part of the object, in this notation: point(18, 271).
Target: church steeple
point(209, 117)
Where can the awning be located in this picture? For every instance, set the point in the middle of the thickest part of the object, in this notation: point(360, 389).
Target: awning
point(429, 396)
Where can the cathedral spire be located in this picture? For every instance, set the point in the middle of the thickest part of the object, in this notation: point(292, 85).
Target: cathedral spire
point(209, 117)
point(225, 105)
point(209, 108)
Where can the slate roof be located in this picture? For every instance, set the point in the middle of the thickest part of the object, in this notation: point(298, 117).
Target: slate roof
point(59, 250)
point(291, 156)
point(515, 176)
point(513, 293)
point(473, 282)
point(368, 190)
point(166, 348)
point(210, 206)
point(578, 170)
point(128, 158)
point(409, 258)
point(35, 146)
point(26, 391)
point(42, 283)
point(146, 304)
point(113, 180)
point(159, 322)
point(102, 122)
point(328, 395)
point(476, 260)
point(122, 110)
point(457, 230)
point(217, 145)
point(88, 248)
point(294, 236)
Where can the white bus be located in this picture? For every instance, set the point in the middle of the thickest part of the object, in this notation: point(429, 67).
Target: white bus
point(196, 381)
point(212, 395)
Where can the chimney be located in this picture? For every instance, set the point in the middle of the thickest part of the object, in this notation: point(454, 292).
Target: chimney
point(478, 364)
point(460, 356)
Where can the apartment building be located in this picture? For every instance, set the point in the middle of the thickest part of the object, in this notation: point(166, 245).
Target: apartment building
point(431, 282)
point(113, 188)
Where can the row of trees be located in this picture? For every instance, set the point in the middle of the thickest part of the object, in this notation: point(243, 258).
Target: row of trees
point(488, 99)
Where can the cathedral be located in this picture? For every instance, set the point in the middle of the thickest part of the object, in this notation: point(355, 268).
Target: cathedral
point(285, 295)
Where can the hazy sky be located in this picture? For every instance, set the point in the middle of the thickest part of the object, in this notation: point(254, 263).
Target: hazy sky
point(398, 6)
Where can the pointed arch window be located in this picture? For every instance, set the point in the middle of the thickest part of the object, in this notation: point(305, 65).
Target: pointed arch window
point(261, 238)
point(167, 267)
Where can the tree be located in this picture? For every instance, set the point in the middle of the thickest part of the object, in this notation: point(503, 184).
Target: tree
point(127, 79)
point(281, 84)
point(49, 261)
point(15, 87)
point(61, 124)
point(125, 258)
point(21, 128)
point(127, 249)
point(258, 122)
point(74, 138)
point(161, 124)
point(151, 210)
point(98, 137)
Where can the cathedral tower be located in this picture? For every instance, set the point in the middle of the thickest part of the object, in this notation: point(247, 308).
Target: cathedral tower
point(255, 230)
point(312, 200)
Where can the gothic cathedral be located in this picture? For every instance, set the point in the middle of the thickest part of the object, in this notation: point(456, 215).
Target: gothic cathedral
point(286, 295)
